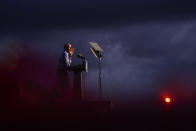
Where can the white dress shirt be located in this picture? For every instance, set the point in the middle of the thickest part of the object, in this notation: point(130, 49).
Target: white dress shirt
point(67, 59)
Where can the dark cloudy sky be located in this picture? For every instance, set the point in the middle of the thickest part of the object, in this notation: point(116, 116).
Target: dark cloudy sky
point(85, 13)
point(145, 42)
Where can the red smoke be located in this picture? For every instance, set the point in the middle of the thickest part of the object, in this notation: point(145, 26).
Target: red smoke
point(27, 78)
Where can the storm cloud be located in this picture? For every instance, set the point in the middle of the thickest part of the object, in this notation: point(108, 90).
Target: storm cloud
point(144, 43)
point(136, 59)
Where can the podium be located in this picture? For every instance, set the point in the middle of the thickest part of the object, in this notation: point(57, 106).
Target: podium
point(77, 91)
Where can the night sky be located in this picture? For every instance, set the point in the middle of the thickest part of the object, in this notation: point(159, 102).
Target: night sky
point(149, 45)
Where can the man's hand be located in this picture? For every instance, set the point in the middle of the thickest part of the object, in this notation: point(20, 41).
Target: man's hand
point(71, 52)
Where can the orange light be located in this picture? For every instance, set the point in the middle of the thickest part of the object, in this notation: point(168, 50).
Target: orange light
point(167, 100)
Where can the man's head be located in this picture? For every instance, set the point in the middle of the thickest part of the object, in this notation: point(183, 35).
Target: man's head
point(67, 47)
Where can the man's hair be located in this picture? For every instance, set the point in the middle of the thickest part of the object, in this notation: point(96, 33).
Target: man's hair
point(66, 45)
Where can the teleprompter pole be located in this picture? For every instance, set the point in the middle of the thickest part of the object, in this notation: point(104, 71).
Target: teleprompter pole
point(100, 80)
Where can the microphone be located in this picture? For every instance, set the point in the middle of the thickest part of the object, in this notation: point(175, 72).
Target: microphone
point(81, 56)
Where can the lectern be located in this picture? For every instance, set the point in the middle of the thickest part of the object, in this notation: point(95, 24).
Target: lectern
point(77, 78)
